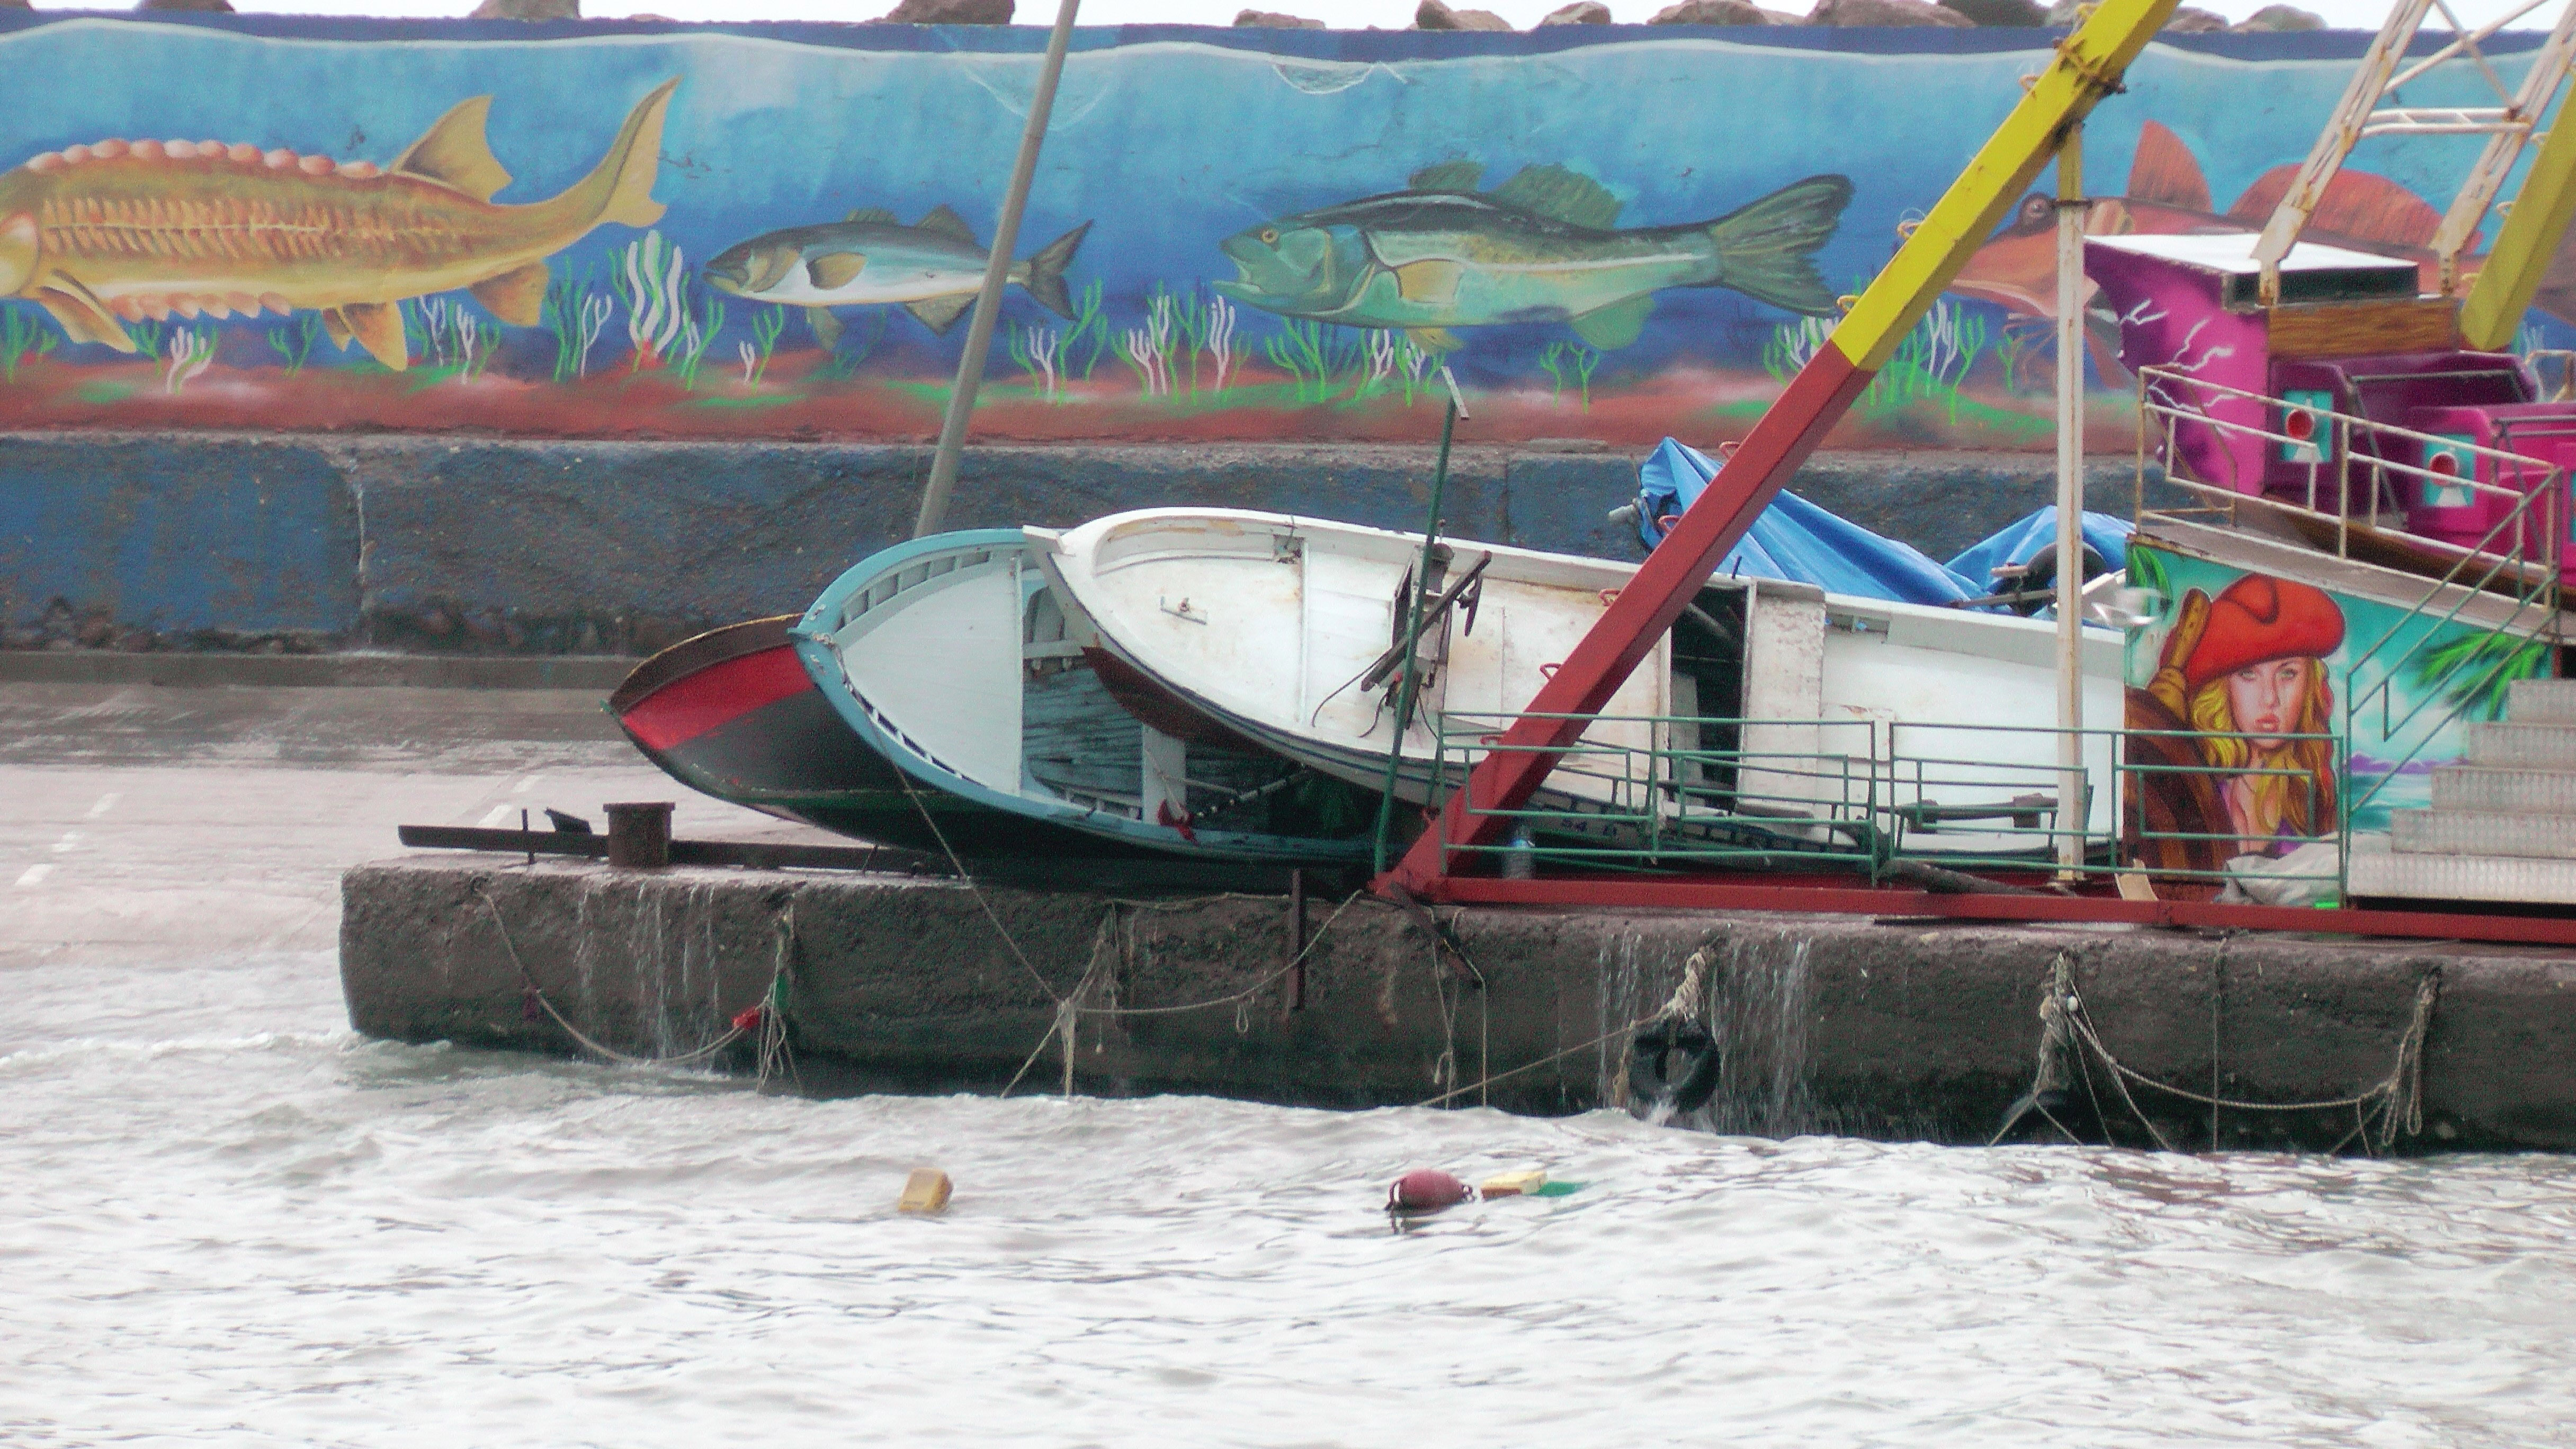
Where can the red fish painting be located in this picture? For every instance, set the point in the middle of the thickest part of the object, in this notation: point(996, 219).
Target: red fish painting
point(2168, 194)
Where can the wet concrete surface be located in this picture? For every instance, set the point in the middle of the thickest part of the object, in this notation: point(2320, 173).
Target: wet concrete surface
point(141, 823)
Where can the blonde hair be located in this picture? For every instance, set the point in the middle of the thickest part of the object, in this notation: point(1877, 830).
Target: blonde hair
point(2305, 802)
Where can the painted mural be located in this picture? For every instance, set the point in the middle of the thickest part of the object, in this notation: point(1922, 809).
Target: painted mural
point(701, 231)
point(2247, 692)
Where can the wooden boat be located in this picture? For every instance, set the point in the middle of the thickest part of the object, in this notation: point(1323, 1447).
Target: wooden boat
point(731, 713)
point(951, 656)
point(1766, 699)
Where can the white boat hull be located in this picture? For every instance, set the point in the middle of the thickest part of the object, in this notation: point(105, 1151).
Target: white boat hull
point(1849, 708)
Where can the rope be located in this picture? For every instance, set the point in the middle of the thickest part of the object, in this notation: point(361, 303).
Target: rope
point(1534, 1066)
point(1682, 1005)
point(2056, 1036)
point(1070, 1008)
point(1232, 997)
point(1444, 1068)
point(904, 778)
point(1685, 1003)
point(2400, 1094)
point(1067, 1010)
point(731, 1035)
point(775, 1054)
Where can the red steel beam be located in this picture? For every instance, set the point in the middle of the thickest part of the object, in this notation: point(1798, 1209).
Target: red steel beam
point(1724, 895)
point(1638, 616)
point(2083, 68)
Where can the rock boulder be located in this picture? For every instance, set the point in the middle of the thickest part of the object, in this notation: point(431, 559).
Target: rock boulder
point(2021, 13)
point(1884, 12)
point(2280, 17)
point(1433, 15)
point(951, 12)
point(1712, 12)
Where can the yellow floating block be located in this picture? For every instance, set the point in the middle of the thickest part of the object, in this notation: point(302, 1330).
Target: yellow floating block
point(1514, 1184)
point(926, 1191)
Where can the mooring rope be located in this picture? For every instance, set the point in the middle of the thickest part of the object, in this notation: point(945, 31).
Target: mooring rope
point(775, 1052)
point(1069, 1009)
point(1487, 1081)
point(2399, 1095)
point(1685, 1004)
point(731, 1034)
point(904, 779)
point(1233, 997)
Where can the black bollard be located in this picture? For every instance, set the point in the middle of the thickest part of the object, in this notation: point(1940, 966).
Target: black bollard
point(639, 834)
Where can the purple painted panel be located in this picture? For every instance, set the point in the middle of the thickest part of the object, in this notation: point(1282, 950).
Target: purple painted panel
point(2171, 315)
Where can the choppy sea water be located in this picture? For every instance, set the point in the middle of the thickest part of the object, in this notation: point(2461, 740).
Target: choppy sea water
point(231, 1221)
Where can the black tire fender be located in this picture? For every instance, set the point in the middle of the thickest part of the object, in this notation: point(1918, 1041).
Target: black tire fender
point(1673, 1064)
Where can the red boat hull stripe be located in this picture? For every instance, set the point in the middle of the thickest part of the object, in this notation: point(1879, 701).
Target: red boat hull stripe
point(716, 696)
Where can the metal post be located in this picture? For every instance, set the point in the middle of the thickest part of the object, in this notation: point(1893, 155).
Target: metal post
point(2072, 803)
point(1404, 683)
point(1296, 940)
point(997, 275)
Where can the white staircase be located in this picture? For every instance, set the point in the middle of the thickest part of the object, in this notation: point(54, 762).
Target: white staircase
point(2503, 822)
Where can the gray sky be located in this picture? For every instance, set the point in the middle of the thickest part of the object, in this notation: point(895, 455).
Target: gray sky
point(1353, 14)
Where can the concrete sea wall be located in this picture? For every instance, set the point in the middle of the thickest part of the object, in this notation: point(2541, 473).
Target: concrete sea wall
point(1891, 1030)
point(484, 545)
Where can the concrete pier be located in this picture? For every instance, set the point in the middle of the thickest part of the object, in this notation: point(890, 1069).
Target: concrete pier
point(1894, 1030)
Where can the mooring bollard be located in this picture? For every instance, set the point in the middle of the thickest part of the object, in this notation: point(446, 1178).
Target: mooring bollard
point(639, 834)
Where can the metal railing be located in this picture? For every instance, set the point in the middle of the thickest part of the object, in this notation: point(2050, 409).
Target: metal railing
point(2348, 454)
point(1680, 798)
point(1877, 798)
point(2510, 575)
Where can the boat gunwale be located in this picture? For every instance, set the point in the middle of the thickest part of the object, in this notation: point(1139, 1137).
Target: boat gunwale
point(819, 650)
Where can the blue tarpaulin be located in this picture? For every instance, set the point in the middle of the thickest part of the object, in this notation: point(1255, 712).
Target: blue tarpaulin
point(2104, 534)
point(1798, 541)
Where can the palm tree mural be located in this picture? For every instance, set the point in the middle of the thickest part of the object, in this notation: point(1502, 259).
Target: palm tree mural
point(2474, 674)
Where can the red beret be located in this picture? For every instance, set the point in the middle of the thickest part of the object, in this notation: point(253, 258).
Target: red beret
point(2259, 618)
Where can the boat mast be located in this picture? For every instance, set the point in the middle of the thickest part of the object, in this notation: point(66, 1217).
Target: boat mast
point(997, 274)
point(1405, 682)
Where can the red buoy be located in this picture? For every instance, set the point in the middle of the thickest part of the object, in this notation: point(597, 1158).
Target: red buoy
point(1425, 1190)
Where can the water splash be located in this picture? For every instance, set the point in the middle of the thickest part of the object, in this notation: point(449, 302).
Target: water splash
point(1759, 1008)
point(1618, 1000)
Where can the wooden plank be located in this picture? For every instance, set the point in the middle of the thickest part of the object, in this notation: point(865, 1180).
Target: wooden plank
point(2347, 329)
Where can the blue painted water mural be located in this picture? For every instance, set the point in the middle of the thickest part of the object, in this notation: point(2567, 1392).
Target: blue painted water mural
point(1168, 140)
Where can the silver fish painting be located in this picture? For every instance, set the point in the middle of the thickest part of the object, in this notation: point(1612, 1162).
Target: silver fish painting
point(931, 269)
point(1541, 247)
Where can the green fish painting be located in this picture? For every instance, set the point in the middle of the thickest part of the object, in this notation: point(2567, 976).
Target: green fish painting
point(1541, 247)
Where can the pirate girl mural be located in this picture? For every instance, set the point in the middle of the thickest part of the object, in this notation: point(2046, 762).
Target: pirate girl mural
point(2232, 730)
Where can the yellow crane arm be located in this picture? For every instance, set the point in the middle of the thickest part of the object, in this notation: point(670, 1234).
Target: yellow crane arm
point(2525, 244)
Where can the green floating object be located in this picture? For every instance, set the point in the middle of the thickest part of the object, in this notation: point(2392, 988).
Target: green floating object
point(1557, 1189)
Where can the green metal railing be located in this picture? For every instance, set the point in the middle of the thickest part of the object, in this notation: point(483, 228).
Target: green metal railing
point(1872, 797)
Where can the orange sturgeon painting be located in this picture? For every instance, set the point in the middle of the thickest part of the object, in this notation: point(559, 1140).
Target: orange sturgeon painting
point(118, 231)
